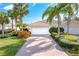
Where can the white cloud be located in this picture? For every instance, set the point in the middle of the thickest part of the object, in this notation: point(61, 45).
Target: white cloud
point(34, 4)
point(9, 7)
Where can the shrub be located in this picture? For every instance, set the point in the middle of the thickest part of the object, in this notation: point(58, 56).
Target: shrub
point(6, 31)
point(70, 44)
point(71, 37)
point(5, 36)
point(61, 29)
point(25, 29)
point(24, 34)
point(55, 29)
point(14, 33)
point(0, 31)
point(53, 34)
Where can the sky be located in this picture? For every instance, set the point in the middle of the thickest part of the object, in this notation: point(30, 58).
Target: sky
point(35, 11)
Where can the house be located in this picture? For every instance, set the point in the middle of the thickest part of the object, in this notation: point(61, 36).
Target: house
point(73, 27)
point(9, 25)
point(41, 27)
point(40, 24)
point(43, 24)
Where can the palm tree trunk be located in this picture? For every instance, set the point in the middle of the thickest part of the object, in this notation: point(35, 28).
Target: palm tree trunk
point(12, 24)
point(3, 30)
point(68, 21)
point(76, 13)
point(58, 25)
point(15, 23)
point(21, 23)
point(67, 26)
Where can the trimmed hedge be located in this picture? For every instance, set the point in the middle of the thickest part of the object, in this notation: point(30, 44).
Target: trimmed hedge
point(53, 34)
point(14, 33)
point(6, 31)
point(5, 36)
point(55, 29)
point(67, 41)
point(68, 44)
point(71, 38)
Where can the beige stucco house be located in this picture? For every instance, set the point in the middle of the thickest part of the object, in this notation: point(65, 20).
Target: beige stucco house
point(73, 27)
point(39, 27)
point(40, 24)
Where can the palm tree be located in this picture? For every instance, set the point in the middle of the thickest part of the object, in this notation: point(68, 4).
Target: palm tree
point(15, 13)
point(22, 10)
point(20, 24)
point(76, 8)
point(3, 20)
point(54, 12)
point(69, 12)
point(11, 15)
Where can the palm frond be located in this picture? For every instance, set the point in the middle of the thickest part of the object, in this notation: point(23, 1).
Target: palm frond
point(47, 12)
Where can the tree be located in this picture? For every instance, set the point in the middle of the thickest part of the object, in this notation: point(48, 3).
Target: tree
point(15, 13)
point(69, 12)
point(18, 25)
point(12, 16)
point(21, 24)
point(3, 20)
point(76, 8)
point(22, 10)
point(54, 12)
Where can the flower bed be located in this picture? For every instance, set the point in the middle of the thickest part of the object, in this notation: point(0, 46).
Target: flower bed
point(24, 34)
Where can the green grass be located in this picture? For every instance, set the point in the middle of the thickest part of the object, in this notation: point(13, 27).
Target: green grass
point(73, 53)
point(10, 46)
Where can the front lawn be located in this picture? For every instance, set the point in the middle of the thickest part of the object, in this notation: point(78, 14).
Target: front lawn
point(10, 46)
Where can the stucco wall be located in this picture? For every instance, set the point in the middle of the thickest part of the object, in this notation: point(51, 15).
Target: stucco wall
point(73, 27)
point(72, 30)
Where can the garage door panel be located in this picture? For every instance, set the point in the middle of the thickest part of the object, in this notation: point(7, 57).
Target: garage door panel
point(40, 30)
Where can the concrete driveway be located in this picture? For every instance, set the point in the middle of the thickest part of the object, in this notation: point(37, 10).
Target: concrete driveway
point(41, 45)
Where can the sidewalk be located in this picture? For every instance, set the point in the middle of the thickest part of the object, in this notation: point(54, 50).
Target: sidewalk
point(41, 45)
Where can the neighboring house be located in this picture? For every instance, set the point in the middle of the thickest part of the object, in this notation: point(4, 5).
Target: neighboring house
point(73, 27)
point(8, 26)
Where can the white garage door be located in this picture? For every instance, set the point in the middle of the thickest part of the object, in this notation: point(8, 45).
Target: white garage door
point(73, 30)
point(40, 30)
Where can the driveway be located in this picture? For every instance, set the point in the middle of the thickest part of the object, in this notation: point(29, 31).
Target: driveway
point(41, 45)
